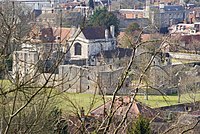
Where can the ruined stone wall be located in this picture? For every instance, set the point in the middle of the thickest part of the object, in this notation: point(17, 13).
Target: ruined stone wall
point(77, 79)
point(164, 78)
point(109, 80)
point(98, 79)
point(51, 80)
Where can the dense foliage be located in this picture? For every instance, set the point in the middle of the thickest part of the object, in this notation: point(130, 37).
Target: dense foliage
point(141, 126)
point(102, 17)
point(132, 28)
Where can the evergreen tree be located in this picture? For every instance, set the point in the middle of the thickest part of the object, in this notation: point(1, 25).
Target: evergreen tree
point(102, 17)
point(141, 126)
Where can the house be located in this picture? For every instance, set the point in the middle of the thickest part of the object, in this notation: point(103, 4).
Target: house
point(120, 107)
point(89, 41)
point(49, 39)
point(186, 37)
point(50, 43)
point(185, 29)
point(164, 16)
point(131, 13)
point(181, 28)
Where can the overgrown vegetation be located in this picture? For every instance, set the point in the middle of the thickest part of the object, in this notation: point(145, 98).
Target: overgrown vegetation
point(140, 126)
point(101, 17)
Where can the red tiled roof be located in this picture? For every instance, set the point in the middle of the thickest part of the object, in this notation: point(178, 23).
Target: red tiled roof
point(49, 34)
point(63, 33)
point(121, 104)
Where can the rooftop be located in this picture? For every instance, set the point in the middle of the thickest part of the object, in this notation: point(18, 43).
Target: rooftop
point(131, 10)
point(121, 104)
point(173, 7)
point(95, 33)
point(118, 52)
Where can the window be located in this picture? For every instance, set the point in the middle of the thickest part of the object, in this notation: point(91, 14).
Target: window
point(77, 49)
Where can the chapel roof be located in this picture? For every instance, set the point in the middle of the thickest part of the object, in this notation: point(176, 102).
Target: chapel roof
point(95, 33)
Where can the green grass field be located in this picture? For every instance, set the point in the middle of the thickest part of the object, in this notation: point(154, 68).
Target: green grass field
point(73, 102)
point(68, 101)
point(159, 101)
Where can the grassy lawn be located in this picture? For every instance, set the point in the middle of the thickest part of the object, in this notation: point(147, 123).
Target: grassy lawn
point(159, 101)
point(68, 101)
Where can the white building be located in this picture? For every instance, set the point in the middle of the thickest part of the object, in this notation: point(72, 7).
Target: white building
point(185, 29)
point(87, 42)
point(25, 64)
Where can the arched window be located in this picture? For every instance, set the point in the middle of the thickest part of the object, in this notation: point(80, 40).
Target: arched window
point(77, 49)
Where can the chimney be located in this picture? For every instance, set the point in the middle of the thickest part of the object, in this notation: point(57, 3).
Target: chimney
point(112, 30)
point(106, 34)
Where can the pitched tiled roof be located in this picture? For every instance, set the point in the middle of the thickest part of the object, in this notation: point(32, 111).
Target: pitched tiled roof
point(121, 104)
point(116, 53)
point(47, 15)
point(63, 33)
point(95, 33)
point(50, 34)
